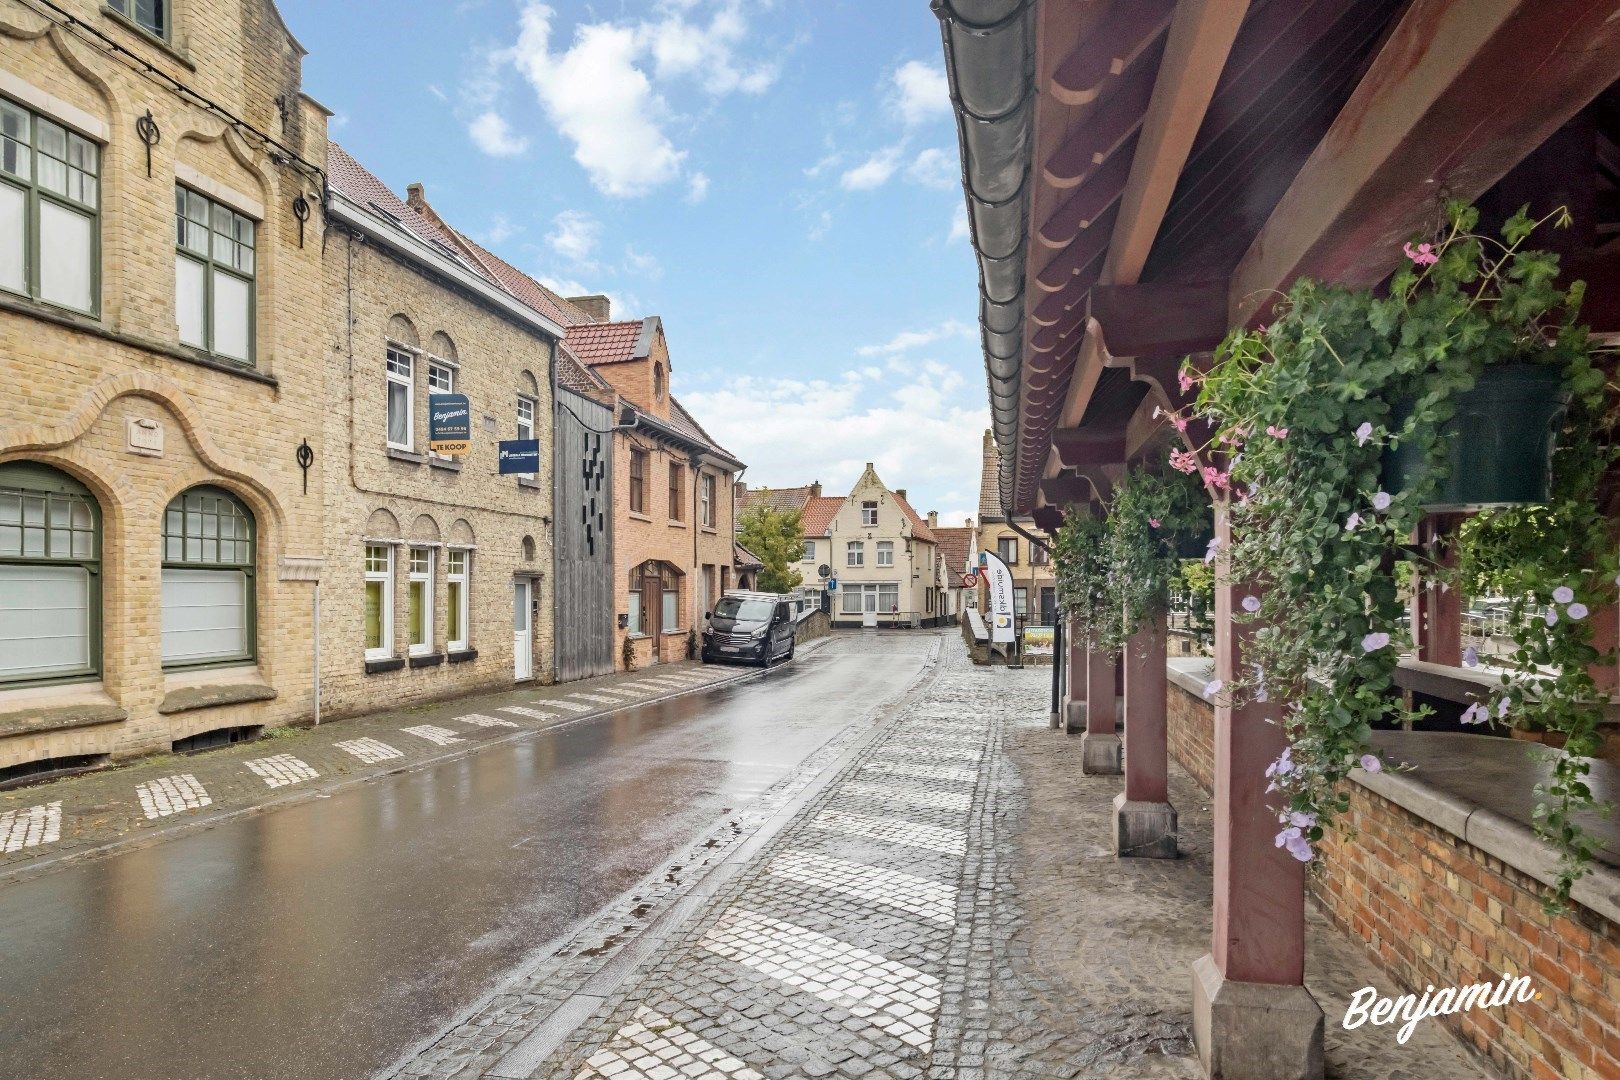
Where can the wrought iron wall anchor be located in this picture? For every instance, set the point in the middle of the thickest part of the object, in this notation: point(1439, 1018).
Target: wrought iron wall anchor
point(306, 458)
point(150, 134)
point(300, 208)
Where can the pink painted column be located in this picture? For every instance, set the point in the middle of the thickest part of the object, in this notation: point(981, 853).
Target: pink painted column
point(1252, 1016)
point(1144, 820)
point(1099, 746)
point(1074, 691)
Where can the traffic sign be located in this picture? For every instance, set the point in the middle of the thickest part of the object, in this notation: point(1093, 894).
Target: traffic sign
point(970, 580)
point(832, 584)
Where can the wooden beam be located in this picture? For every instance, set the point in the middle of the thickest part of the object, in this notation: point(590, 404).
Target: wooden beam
point(1201, 36)
point(1160, 319)
point(1079, 447)
point(1114, 118)
point(1128, 27)
point(1068, 490)
point(1418, 128)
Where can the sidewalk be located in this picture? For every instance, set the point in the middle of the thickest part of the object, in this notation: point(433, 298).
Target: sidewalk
point(75, 817)
point(933, 896)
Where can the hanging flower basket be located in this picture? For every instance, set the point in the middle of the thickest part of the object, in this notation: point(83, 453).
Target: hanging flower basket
point(1496, 448)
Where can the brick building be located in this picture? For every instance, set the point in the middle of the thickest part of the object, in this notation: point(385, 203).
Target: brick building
point(1034, 577)
point(673, 506)
point(438, 566)
point(160, 313)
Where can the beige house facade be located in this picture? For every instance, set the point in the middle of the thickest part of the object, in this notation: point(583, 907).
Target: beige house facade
point(1034, 577)
point(162, 470)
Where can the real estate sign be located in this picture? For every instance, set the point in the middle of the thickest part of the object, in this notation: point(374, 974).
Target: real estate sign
point(449, 424)
point(520, 456)
point(998, 579)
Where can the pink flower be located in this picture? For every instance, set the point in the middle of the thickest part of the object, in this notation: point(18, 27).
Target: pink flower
point(1184, 461)
point(1187, 381)
point(1180, 423)
point(1371, 763)
point(1276, 432)
point(1153, 522)
point(1215, 478)
point(1363, 433)
point(1422, 255)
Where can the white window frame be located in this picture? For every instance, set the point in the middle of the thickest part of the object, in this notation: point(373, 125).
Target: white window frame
point(386, 576)
point(436, 365)
point(462, 608)
point(809, 551)
point(425, 579)
point(706, 487)
point(1007, 550)
point(405, 358)
point(869, 513)
point(855, 553)
point(525, 428)
point(885, 553)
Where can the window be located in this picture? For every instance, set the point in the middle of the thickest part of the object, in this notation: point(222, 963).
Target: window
point(885, 553)
point(49, 198)
point(150, 15)
point(419, 601)
point(213, 276)
point(1039, 555)
point(1007, 548)
point(706, 487)
point(855, 553)
point(525, 420)
point(441, 379)
point(207, 579)
point(401, 391)
point(379, 601)
point(879, 597)
point(809, 551)
point(868, 513)
point(50, 576)
point(638, 483)
point(672, 601)
point(458, 607)
point(636, 622)
point(677, 483)
point(1020, 601)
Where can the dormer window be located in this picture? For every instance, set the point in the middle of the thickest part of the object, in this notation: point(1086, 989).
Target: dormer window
point(150, 15)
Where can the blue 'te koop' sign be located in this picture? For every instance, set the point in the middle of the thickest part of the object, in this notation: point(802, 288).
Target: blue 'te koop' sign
point(520, 456)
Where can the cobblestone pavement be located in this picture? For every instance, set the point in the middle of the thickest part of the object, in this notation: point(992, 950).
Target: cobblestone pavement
point(76, 816)
point(940, 901)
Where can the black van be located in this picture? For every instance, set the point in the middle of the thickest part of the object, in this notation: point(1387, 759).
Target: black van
point(753, 626)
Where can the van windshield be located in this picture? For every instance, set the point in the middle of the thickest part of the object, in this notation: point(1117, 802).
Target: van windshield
point(731, 607)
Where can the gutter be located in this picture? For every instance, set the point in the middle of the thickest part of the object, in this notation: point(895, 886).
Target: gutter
point(990, 67)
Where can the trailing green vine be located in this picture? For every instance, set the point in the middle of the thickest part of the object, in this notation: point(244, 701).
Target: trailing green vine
point(1153, 516)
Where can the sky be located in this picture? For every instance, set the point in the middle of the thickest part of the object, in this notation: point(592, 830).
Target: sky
point(777, 179)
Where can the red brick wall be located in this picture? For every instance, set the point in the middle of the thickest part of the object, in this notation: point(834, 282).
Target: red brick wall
point(1435, 911)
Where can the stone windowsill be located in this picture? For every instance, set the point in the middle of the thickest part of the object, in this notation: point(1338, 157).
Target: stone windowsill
point(421, 660)
point(448, 464)
point(528, 482)
point(462, 656)
point(1478, 788)
point(410, 457)
point(208, 695)
point(57, 708)
point(390, 663)
point(676, 523)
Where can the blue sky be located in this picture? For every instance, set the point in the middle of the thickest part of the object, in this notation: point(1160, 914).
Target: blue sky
point(776, 178)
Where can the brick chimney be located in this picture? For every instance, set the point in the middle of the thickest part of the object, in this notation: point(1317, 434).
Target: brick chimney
point(933, 519)
point(415, 197)
point(967, 524)
point(596, 306)
point(901, 492)
point(815, 490)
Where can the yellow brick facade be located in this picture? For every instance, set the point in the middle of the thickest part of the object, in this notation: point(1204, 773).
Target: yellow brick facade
point(80, 379)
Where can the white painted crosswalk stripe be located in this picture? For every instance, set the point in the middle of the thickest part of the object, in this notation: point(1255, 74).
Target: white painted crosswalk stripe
point(559, 703)
point(894, 831)
point(532, 714)
point(921, 896)
point(894, 996)
point(30, 826)
point(595, 699)
point(614, 691)
point(281, 770)
point(370, 751)
point(170, 795)
point(654, 1045)
point(480, 720)
point(438, 735)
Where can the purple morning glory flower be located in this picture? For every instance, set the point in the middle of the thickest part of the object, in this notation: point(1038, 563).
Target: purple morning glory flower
point(1470, 657)
point(1301, 819)
point(1551, 618)
point(1475, 714)
point(1351, 522)
point(1563, 594)
point(1251, 604)
point(1371, 763)
point(1213, 687)
point(1209, 552)
point(1501, 708)
point(1374, 641)
point(1381, 501)
point(1363, 433)
point(1286, 836)
point(1577, 612)
point(1300, 848)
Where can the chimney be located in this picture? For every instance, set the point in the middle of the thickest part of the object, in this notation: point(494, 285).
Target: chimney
point(596, 306)
point(415, 197)
point(815, 490)
point(900, 493)
point(967, 524)
point(989, 440)
point(933, 519)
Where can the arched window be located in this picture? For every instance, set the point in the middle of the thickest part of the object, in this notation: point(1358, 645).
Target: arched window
point(208, 550)
point(50, 576)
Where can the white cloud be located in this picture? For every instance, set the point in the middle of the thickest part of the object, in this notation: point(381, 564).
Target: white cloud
point(907, 340)
point(919, 93)
point(681, 48)
point(874, 172)
point(437, 91)
point(823, 225)
point(922, 435)
point(642, 265)
point(494, 136)
point(934, 168)
point(501, 229)
point(959, 226)
point(697, 187)
point(574, 236)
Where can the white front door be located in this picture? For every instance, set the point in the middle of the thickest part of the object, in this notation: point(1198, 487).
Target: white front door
point(522, 633)
point(869, 607)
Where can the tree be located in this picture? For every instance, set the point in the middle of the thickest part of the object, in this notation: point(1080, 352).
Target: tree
point(777, 537)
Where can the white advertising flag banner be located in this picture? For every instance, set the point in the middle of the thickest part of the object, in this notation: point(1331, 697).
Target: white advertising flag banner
point(999, 581)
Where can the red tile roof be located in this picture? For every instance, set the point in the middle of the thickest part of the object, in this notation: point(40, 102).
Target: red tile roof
point(919, 527)
point(579, 378)
point(788, 498)
point(745, 558)
point(955, 546)
point(819, 512)
point(604, 343)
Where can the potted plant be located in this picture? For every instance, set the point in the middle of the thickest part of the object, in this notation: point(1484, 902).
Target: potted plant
point(1338, 426)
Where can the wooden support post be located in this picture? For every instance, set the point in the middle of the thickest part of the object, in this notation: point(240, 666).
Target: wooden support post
point(1144, 820)
point(1099, 746)
point(1252, 1016)
point(1437, 615)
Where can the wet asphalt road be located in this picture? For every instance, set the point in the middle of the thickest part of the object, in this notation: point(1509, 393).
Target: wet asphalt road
point(325, 939)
